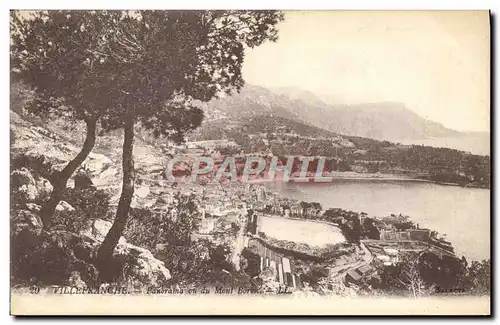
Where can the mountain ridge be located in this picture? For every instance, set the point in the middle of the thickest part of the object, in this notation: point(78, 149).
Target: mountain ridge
point(390, 121)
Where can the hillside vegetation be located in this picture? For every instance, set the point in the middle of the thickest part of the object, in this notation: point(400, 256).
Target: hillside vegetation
point(280, 136)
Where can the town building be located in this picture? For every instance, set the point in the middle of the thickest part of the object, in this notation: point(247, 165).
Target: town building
point(357, 275)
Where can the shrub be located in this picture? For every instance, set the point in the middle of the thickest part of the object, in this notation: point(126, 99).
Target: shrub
point(89, 204)
point(251, 261)
point(199, 263)
point(93, 203)
point(314, 274)
point(40, 166)
point(173, 226)
point(50, 258)
point(73, 221)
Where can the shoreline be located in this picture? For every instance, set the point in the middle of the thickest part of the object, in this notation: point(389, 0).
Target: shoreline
point(348, 177)
point(339, 176)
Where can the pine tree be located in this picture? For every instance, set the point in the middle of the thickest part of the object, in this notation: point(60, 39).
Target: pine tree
point(167, 60)
point(59, 55)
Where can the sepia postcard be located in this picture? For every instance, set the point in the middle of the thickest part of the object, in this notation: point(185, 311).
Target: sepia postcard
point(250, 162)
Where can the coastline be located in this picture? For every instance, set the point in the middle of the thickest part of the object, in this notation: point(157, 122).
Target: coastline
point(376, 180)
point(349, 176)
point(354, 176)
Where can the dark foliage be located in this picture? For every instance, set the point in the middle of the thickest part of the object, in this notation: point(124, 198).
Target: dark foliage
point(40, 166)
point(89, 204)
point(251, 262)
point(173, 226)
point(429, 273)
point(50, 258)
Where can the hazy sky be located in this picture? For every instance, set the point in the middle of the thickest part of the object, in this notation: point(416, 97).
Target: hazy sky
point(437, 63)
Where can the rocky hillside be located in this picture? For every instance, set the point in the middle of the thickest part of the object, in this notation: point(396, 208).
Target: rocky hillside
point(65, 254)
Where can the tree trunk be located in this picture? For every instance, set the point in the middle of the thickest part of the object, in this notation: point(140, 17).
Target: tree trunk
point(105, 263)
point(61, 178)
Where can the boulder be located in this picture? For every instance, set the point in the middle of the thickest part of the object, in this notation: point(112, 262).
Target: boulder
point(27, 186)
point(149, 203)
point(70, 183)
point(24, 220)
point(109, 176)
point(28, 192)
point(33, 207)
point(142, 191)
point(96, 163)
point(99, 229)
point(43, 186)
point(23, 184)
point(64, 206)
point(21, 177)
point(141, 266)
